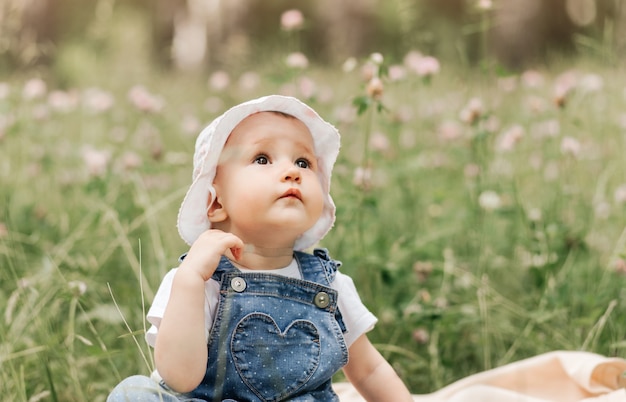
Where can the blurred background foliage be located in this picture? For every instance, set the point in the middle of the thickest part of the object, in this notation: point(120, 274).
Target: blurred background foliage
point(484, 224)
point(203, 34)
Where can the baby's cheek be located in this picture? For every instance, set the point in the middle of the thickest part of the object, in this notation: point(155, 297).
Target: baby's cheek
point(318, 202)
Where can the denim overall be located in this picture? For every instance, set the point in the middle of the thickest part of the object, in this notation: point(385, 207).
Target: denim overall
point(275, 338)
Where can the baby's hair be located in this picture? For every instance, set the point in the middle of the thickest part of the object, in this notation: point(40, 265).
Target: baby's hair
point(283, 114)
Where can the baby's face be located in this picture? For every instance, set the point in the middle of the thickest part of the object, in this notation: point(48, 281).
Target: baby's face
point(267, 179)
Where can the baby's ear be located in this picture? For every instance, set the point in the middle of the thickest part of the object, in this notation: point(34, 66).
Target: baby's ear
point(216, 212)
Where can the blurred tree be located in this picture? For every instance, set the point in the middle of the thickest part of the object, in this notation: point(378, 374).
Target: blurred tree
point(526, 30)
point(25, 29)
point(195, 34)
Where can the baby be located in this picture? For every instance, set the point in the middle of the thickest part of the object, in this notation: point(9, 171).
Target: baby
point(247, 315)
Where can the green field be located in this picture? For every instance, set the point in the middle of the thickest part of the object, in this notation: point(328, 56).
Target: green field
point(482, 216)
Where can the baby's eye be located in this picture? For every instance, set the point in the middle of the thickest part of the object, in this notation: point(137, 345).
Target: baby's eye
point(261, 160)
point(303, 163)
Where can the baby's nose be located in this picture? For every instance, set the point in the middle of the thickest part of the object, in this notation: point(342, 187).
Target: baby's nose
point(292, 174)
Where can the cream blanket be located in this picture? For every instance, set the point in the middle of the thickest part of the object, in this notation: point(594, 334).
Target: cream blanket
point(555, 376)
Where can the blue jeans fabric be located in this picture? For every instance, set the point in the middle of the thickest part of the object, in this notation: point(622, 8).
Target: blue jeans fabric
point(273, 339)
point(139, 388)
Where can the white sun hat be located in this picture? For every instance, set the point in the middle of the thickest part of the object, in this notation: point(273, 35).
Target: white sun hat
point(192, 216)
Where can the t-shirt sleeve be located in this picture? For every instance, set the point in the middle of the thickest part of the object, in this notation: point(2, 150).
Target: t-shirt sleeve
point(155, 313)
point(356, 316)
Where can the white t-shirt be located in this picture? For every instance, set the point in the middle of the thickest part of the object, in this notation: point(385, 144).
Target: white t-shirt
point(357, 318)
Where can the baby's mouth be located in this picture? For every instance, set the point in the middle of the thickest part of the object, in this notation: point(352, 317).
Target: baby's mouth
point(292, 193)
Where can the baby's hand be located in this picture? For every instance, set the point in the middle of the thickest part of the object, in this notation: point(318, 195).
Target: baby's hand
point(205, 253)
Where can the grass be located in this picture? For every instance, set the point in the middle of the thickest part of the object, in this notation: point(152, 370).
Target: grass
point(471, 254)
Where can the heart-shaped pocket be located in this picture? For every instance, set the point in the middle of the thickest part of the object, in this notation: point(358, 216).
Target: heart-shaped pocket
point(275, 363)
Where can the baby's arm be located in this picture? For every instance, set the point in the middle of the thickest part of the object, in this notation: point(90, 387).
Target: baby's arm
point(372, 375)
point(180, 352)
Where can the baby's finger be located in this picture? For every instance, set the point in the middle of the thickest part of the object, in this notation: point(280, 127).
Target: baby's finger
point(236, 252)
point(235, 245)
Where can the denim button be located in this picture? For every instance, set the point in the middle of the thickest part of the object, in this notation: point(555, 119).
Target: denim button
point(322, 300)
point(238, 284)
